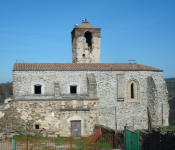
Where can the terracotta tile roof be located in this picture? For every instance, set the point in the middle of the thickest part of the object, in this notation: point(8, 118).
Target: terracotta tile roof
point(82, 67)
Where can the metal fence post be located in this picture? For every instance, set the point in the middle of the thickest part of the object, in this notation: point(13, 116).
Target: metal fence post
point(13, 144)
point(70, 143)
point(26, 143)
point(26, 138)
point(124, 137)
point(116, 137)
point(138, 140)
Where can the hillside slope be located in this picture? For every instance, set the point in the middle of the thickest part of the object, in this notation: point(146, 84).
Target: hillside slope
point(171, 87)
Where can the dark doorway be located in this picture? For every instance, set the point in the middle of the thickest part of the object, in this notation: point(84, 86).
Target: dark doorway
point(73, 89)
point(76, 128)
point(38, 89)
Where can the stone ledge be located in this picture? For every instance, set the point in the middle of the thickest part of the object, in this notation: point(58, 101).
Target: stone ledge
point(87, 99)
point(120, 99)
point(54, 136)
point(74, 109)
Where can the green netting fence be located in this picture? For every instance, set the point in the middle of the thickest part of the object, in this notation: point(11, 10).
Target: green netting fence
point(132, 140)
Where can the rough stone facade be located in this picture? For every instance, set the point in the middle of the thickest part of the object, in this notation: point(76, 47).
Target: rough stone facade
point(127, 110)
point(53, 117)
point(78, 92)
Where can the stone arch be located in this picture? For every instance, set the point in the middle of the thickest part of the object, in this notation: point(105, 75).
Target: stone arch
point(151, 100)
point(88, 31)
point(133, 91)
point(88, 38)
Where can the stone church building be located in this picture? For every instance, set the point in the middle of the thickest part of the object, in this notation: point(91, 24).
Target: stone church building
point(70, 98)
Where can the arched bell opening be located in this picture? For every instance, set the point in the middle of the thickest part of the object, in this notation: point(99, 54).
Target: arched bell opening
point(88, 38)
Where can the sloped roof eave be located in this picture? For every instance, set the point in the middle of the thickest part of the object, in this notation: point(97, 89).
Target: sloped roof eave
point(82, 67)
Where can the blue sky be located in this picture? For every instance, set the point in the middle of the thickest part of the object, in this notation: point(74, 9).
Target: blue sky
point(38, 31)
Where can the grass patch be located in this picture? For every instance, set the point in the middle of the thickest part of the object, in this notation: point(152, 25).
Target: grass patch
point(21, 135)
point(48, 143)
point(170, 127)
point(81, 143)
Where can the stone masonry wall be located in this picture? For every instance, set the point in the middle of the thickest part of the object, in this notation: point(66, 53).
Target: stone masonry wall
point(91, 56)
point(130, 113)
point(24, 81)
point(79, 47)
point(53, 117)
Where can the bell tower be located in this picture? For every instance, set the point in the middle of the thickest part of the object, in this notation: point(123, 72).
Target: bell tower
point(86, 43)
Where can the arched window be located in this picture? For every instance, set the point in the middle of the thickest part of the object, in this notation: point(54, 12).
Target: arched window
point(133, 91)
point(88, 38)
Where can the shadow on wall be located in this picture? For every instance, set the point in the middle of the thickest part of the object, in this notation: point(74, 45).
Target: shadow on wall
point(153, 140)
point(172, 111)
point(157, 140)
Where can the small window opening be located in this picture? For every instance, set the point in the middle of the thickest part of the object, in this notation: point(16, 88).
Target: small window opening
point(38, 89)
point(85, 106)
point(37, 126)
point(83, 55)
point(132, 90)
point(73, 89)
point(88, 38)
point(84, 40)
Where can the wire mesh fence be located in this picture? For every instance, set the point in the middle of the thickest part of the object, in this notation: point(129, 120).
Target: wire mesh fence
point(50, 143)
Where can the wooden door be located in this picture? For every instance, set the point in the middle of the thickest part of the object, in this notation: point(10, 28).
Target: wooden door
point(76, 128)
